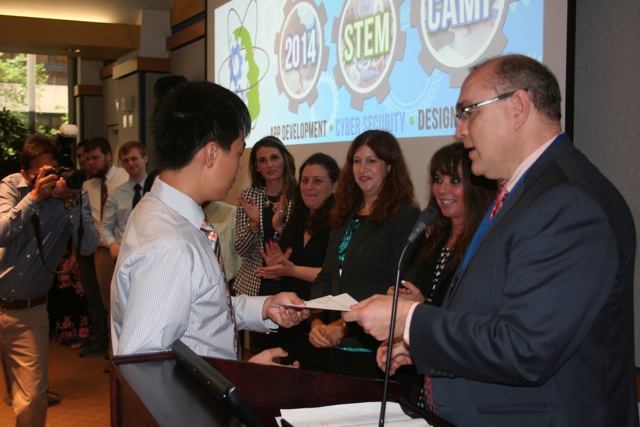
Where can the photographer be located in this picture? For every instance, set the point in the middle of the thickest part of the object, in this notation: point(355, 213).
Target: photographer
point(38, 213)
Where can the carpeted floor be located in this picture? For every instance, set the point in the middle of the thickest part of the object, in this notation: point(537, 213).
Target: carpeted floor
point(84, 388)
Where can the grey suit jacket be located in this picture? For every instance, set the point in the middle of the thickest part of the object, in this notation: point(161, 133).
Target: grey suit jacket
point(538, 331)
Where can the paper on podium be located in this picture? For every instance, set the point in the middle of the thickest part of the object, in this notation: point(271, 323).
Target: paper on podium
point(354, 414)
point(340, 302)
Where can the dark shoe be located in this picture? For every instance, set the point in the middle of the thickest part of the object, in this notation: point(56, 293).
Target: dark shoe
point(53, 398)
point(93, 349)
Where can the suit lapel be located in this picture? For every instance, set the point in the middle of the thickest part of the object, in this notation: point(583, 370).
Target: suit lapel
point(559, 148)
point(359, 236)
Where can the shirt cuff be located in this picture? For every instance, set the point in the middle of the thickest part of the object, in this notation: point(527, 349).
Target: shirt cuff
point(407, 323)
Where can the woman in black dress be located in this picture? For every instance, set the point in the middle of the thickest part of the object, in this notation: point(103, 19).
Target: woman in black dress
point(296, 261)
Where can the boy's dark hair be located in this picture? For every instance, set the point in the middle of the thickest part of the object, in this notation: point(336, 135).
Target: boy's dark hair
point(192, 115)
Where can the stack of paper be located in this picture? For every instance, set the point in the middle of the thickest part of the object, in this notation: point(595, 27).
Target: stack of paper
point(355, 414)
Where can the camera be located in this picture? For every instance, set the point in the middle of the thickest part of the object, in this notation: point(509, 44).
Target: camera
point(72, 177)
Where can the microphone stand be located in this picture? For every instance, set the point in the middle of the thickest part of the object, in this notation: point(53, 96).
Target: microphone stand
point(392, 327)
point(425, 218)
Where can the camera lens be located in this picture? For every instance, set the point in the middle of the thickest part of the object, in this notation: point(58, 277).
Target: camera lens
point(72, 178)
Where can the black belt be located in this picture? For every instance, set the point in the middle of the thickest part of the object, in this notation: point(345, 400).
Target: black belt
point(21, 304)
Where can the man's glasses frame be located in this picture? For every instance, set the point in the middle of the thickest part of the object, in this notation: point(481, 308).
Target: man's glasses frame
point(462, 113)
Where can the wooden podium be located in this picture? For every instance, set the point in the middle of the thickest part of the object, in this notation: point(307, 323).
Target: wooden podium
point(154, 390)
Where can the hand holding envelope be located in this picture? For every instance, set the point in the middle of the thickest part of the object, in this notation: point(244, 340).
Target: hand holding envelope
point(341, 302)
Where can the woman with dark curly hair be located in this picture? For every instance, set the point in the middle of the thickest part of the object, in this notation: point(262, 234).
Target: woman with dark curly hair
point(304, 243)
point(374, 214)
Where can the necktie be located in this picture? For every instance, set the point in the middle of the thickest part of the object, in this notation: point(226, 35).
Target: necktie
point(500, 198)
point(212, 237)
point(137, 196)
point(104, 194)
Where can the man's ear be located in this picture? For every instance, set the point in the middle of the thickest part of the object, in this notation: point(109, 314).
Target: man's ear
point(210, 153)
point(522, 104)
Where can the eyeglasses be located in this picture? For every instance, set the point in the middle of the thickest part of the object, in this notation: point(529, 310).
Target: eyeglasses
point(36, 172)
point(462, 113)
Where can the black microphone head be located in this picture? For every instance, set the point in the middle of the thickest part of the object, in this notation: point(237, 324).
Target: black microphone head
point(428, 215)
point(425, 218)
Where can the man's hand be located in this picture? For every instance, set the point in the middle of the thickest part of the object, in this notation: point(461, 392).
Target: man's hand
point(400, 355)
point(272, 357)
point(274, 309)
point(43, 186)
point(61, 191)
point(374, 315)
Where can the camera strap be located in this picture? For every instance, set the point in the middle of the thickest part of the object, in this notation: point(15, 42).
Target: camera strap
point(35, 221)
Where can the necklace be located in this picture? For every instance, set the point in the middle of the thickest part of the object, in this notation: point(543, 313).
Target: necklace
point(268, 202)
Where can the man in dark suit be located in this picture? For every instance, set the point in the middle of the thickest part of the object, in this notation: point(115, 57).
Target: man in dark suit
point(537, 328)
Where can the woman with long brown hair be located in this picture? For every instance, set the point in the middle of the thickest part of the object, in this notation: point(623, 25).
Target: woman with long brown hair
point(374, 214)
point(462, 199)
point(263, 209)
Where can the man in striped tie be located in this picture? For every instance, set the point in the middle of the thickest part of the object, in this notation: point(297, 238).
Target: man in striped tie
point(169, 283)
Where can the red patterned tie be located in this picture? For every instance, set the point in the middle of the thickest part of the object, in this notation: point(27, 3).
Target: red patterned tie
point(212, 237)
point(104, 194)
point(500, 198)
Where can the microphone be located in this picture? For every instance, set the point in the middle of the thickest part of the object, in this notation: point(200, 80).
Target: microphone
point(425, 218)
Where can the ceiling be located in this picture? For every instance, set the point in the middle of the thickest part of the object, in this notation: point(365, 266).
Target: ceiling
point(100, 29)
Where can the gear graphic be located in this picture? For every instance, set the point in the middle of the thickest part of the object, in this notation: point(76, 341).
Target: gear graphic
point(367, 77)
point(454, 48)
point(513, 7)
point(235, 56)
point(425, 98)
point(326, 79)
point(302, 54)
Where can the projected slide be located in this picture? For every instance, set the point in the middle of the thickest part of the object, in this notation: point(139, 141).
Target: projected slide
point(325, 71)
